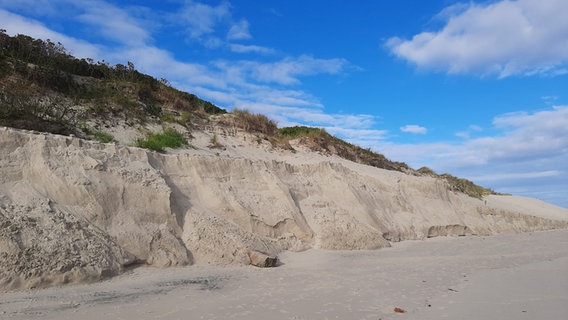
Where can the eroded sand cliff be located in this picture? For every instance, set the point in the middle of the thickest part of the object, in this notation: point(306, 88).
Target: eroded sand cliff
point(73, 210)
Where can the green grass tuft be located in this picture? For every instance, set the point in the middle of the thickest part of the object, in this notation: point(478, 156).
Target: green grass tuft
point(299, 131)
point(103, 137)
point(466, 186)
point(169, 138)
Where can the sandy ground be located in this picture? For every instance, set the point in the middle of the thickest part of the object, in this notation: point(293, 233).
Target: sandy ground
point(523, 276)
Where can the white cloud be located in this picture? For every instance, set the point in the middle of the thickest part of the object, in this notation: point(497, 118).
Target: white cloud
point(466, 134)
point(113, 23)
point(463, 134)
point(542, 133)
point(240, 48)
point(549, 100)
point(474, 127)
point(201, 19)
point(518, 175)
point(524, 37)
point(96, 16)
point(239, 31)
point(524, 137)
point(287, 71)
point(412, 128)
point(284, 97)
point(362, 137)
point(35, 7)
point(162, 64)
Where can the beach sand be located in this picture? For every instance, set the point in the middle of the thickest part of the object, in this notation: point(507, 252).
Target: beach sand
point(518, 276)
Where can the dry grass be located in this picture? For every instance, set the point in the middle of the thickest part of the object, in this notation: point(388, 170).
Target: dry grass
point(255, 123)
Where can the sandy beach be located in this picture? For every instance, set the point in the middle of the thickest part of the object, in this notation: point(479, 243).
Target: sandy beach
point(520, 276)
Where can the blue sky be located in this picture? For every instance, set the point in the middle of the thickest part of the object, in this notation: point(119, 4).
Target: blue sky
point(478, 89)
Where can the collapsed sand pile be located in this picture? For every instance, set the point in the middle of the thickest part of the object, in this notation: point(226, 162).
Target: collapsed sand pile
point(74, 210)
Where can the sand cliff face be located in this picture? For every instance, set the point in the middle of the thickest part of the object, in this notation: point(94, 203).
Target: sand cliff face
point(74, 210)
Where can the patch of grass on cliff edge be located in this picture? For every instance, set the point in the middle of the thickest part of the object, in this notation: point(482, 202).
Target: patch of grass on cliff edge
point(103, 137)
point(321, 141)
point(459, 184)
point(298, 131)
point(256, 123)
point(169, 138)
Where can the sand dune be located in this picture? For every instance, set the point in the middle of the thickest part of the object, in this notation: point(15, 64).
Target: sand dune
point(74, 210)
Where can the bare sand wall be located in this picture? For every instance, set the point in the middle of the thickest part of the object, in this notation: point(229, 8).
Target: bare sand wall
point(74, 210)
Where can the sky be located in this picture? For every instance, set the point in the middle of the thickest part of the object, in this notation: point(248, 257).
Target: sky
point(477, 89)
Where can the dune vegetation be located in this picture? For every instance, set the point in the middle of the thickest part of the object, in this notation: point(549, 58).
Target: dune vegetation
point(44, 88)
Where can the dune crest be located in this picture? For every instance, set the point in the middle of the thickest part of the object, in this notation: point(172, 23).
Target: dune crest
point(73, 210)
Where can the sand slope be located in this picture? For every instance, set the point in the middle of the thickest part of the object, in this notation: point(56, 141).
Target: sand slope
point(86, 210)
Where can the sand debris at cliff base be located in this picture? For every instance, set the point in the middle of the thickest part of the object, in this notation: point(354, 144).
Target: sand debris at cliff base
point(505, 277)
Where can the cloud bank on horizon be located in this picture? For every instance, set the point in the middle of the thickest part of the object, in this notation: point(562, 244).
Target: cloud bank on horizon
point(218, 53)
